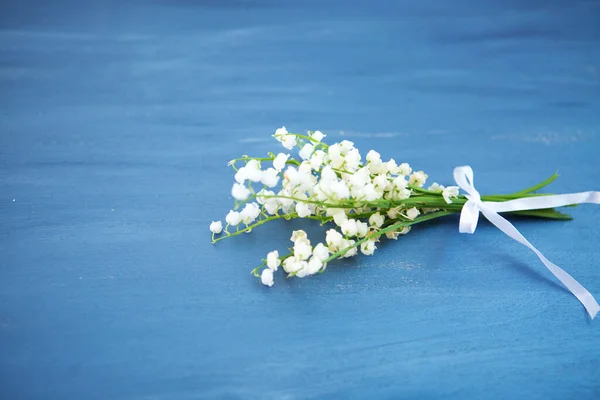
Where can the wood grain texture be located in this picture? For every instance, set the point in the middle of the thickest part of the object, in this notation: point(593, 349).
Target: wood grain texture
point(116, 123)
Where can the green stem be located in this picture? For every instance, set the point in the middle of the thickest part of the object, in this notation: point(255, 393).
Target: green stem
point(263, 221)
point(324, 145)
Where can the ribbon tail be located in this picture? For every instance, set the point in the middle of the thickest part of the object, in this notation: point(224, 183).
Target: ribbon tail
point(585, 297)
point(546, 201)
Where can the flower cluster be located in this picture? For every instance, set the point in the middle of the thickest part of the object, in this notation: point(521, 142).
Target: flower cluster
point(329, 183)
point(363, 199)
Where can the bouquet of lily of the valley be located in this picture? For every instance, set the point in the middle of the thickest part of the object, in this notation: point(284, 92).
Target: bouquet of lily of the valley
point(364, 201)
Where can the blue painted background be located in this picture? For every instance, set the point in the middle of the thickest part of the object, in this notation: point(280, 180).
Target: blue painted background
point(116, 123)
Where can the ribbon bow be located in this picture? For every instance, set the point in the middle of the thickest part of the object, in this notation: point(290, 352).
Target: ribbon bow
point(469, 217)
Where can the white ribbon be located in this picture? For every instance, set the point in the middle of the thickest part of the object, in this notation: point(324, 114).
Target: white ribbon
point(470, 215)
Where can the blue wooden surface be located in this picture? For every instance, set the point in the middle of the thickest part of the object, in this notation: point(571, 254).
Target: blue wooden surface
point(116, 123)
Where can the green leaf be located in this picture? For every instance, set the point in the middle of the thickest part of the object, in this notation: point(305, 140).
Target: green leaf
point(547, 213)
